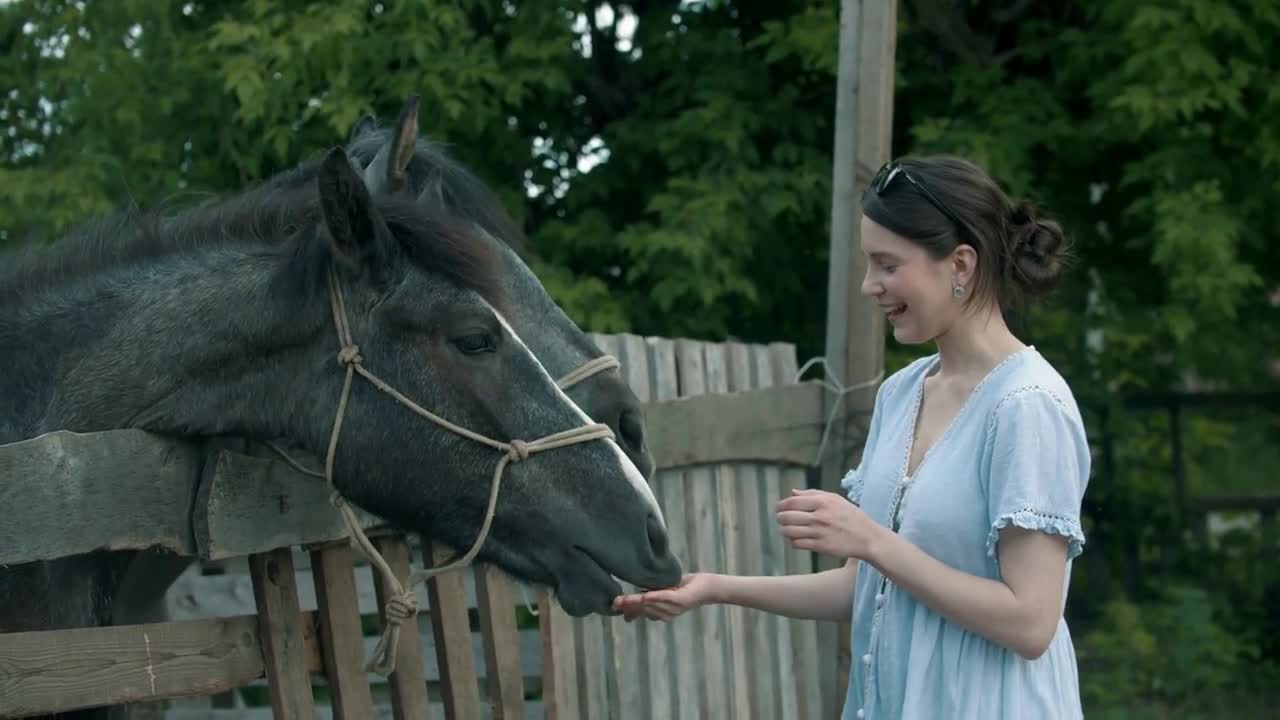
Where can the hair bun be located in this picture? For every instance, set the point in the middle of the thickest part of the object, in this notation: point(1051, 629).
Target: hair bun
point(1037, 249)
point(1023, 212)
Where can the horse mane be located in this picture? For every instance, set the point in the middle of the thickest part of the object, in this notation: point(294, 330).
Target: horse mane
point(271, 217)
point(445, 184)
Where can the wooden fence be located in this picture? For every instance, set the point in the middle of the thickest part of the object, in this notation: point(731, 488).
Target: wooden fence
point(731, 433)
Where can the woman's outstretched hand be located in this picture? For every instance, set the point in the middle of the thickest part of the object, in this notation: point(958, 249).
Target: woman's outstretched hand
point(827, 523)
point(693, 591)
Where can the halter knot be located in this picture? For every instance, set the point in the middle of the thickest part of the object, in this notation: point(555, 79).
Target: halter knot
point(336, 499)
point(402, 607)
point(519, 451)
point(350, 355)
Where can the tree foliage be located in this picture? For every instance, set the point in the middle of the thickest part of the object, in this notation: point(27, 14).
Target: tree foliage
point(670, 160)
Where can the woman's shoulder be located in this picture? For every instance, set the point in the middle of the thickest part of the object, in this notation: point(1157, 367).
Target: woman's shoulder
point(1029, 378)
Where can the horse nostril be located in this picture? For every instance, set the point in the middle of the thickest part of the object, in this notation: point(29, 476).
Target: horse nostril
point(631, 429)
point(657, 536)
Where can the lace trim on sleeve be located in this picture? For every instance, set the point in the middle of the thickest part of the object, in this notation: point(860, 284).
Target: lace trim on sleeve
point(1029, 519)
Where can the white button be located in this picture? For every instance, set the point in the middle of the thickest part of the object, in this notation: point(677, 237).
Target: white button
point(862, 713)
point(866, 659)
point(879, 599)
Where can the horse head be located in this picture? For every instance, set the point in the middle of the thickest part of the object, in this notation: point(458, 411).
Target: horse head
point(419, 308)
point(396, 162)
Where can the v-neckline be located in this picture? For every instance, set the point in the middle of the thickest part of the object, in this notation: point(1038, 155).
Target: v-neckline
point(905, 479)
point(906, 474)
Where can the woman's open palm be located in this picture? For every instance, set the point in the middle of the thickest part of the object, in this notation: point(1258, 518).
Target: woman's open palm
point(693, 591)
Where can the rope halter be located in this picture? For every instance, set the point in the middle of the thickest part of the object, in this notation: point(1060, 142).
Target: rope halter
point(402, 603)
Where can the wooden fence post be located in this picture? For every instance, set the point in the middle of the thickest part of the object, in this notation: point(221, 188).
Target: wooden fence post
point(341, 639)
point(855, 326)
point(281, 628)
point(408, 688)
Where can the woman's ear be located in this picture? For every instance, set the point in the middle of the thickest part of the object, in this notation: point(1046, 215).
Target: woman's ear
point(964, 264)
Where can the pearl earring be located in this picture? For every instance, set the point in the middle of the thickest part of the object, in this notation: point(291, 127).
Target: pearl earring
point(958, 291)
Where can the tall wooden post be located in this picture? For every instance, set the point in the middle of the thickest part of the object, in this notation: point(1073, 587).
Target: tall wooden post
point(855, 326)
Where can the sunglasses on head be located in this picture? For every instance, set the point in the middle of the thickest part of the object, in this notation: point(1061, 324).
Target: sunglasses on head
point(893, 170)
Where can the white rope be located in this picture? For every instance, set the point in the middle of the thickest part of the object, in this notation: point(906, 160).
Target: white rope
point(833, 385)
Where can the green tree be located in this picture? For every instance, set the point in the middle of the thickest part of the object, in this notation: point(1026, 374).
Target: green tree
point(670, 162)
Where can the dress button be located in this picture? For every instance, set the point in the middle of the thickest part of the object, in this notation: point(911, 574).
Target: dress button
point(879, 599)
point(866, 659)
point(861, 713)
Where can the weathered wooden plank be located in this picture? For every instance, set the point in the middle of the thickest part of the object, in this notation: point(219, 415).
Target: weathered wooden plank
point(760, 632)
point(769, 425)
point(672, 658)
point(530, 657)
point(121, 489)
point(193, 596)
point(560, 675)
point(779, 699)
point(452, 630)
point(282, 632)
point(536, 711)
point(55, 671)
point(230, 589)
point(501, 642)
point(643, 688)
point(341, 636)
point(804, 659)
point(250, 504)
point(608, 654)
point(255, 504)
point(593, 670)
point(408, 691)
point(729, 496)
point(704, 532)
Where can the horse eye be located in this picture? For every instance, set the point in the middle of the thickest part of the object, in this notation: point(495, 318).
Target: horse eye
point(475, 343)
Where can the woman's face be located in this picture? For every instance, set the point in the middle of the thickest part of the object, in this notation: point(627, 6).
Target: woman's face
point(911, 288)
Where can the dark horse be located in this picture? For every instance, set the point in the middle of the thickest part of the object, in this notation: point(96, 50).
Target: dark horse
point(441, 184)
point(216, 321)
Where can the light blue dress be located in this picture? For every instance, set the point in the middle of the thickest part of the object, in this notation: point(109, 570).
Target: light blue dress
point(1015, 454)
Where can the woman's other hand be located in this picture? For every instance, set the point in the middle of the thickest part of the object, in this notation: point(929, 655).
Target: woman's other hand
point(827, 523)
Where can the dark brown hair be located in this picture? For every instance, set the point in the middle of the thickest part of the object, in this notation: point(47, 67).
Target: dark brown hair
point(1020, 254)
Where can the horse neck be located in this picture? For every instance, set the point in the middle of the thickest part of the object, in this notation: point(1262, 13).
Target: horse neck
point(175, 344)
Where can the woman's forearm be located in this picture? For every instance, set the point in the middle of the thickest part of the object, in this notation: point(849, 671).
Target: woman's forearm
point(826, 595)
point(987, 607)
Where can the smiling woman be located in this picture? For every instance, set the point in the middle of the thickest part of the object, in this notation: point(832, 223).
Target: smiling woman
point(959, 525)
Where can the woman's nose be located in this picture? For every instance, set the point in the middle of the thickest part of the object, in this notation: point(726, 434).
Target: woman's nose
point(869, 285)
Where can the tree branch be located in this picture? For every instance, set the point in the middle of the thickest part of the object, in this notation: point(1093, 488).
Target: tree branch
point(1012, 13)
point(945, 20)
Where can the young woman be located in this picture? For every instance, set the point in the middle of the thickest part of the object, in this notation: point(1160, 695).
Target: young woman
point(965, 512)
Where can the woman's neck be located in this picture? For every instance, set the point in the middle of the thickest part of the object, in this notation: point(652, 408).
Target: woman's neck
point(976, 343)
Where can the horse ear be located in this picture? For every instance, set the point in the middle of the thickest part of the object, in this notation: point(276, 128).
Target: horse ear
point(360, 236)
point(366, 124)
point(389, 171)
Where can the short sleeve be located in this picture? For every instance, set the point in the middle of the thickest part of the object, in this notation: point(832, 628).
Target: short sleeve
point(1038, 468)
point(851, 484)
point(852, 481)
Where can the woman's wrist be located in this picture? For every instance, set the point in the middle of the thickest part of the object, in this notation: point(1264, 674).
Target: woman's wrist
point(718, 590)
point(879, 546)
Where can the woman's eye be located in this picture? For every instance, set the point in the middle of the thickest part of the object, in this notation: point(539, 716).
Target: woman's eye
point(475, 343)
